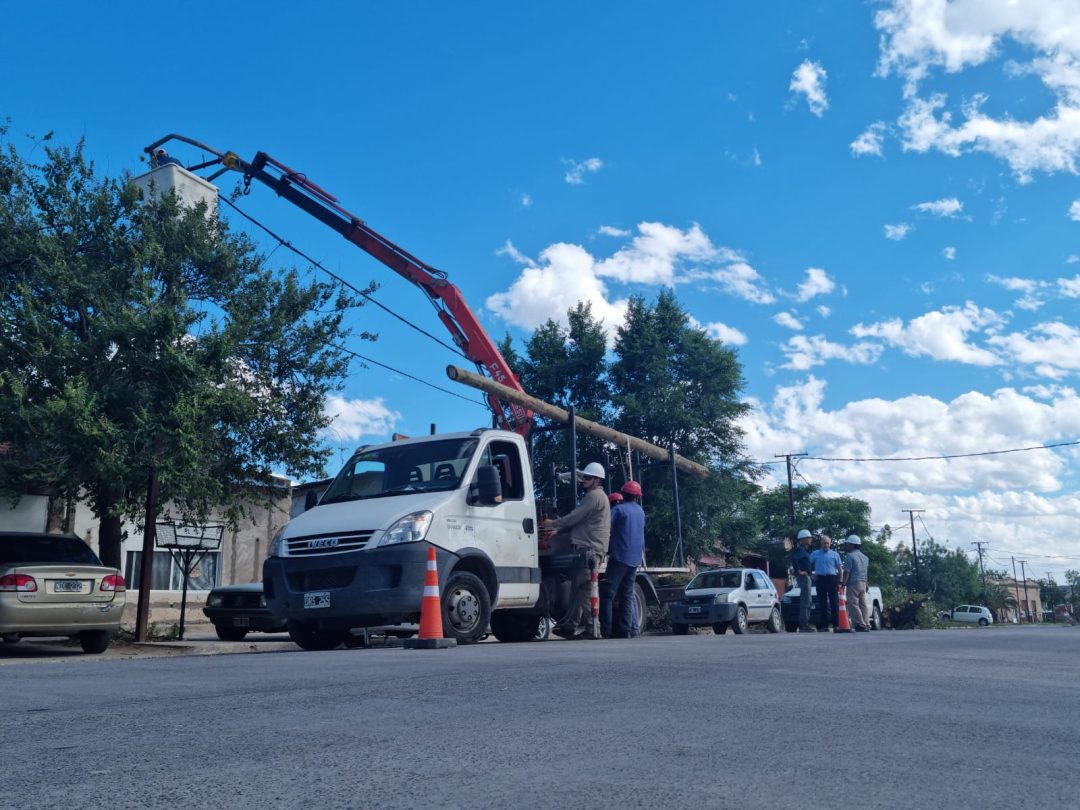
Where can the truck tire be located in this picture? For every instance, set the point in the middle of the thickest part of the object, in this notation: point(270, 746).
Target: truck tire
point(466, 608)
point(679, 629)
point(95, 642)
point(774, 624)
point(875, 619)
point(511, 627)
point(640, 611)
point(739, 624)
point(544, 626)
point(308, 636)
point(720, 628)
point(230, 633)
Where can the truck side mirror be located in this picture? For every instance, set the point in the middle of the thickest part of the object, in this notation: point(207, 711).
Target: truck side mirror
point(311, 499)
point(488, 485)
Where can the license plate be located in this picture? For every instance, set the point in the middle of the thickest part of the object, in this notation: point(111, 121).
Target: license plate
point(317, 599)
point(241, 621)
point(693, 610)
point(68, 586)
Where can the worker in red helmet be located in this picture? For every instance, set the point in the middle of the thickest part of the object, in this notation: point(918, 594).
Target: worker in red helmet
point(615, 498)
point(624, 556)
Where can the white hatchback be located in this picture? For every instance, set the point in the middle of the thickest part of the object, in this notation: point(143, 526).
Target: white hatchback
point(972, 614)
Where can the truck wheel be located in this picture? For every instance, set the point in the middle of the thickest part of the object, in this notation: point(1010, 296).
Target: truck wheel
point(512, 628)
point(739, 625)
point(774, 623)
point(543, 628)
point(640, 611)
point(95, 642)
point(720, 628)
point(875, 619)
point(308, 636)
point(230, 633)
point(679, 629)
point(466, 608)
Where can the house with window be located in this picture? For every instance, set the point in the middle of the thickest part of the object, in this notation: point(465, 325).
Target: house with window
point(1026, 607)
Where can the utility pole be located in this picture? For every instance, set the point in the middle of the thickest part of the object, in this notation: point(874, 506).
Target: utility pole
point(790, 492)
point(1027, 604)
point(914, 548)
point(1016, 591)
point(979, 545)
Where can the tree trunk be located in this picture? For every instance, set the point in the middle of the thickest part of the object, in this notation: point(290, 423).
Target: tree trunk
point(110, 536)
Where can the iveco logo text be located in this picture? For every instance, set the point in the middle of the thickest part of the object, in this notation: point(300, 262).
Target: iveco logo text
point(322, 542)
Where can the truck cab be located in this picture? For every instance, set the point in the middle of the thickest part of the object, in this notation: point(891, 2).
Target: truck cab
point(358, 558)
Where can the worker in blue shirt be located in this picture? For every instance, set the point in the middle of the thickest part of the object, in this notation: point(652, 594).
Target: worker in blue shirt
point(803, 568)
point(826, 575)
point(624, 556)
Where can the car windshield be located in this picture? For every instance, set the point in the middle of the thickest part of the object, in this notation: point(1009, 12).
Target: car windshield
point(402, 470)
point(32, 549)
point(715, 579)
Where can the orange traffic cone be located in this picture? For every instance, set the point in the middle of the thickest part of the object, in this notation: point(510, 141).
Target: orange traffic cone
point(431, 630)
point(594, 600)
point(845, 624)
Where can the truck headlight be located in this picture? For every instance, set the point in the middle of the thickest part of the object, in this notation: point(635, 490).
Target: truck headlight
point(409, 529)
point(277, 544)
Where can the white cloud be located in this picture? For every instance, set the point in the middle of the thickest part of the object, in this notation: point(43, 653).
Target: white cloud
point(788, 321)
point(809, 80)
point(804, 352)
point(509, 249)
point(897, 232)
point(575, 174)
point(870, 142)
point(1052, 349)
point(652, 255)
point(610, 230)
point(941, 335)
point(1069, 287)
point(1074, 211)
point(526, 200)
point(1073, 259)
point(824, 311)
point(920, 37)
point(948, 207)
point(743, 281)
point(817, 283)
point(756, 157)
point(726, 334)
point(354, 418)
point(949, 253)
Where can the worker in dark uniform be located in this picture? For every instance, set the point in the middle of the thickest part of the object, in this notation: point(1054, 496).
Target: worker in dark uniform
point(163, 158)
point(803, 568)
point(624, 557)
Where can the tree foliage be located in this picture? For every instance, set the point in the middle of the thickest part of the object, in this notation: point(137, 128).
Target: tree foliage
point(137, 334)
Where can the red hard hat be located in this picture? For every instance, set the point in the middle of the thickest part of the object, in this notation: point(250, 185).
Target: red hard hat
point(632, 488)
point(614, 497)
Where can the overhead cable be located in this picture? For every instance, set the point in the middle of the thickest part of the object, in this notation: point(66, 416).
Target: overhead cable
point(410, 376)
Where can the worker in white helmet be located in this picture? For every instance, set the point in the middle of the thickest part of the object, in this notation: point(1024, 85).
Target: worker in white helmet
point(590, 529)
point(801, 565)
point(856, 567)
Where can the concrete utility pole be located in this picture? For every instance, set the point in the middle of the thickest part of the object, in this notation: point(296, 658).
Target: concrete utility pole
point(1027, 604)
point(914, 548)
point(1016, 591)
point(790, 491)
point(979, 545)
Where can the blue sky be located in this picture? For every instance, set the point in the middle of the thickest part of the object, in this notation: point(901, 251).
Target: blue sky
point(872, 202)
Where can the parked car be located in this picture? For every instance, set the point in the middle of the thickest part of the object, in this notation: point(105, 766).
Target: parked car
point(971, 614)
point(55, 585)
point(789, 608)
point(727, 597)
point(236, 610)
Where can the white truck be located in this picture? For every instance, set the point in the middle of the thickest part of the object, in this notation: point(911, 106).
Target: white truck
point(789, 607)
point(358, 557)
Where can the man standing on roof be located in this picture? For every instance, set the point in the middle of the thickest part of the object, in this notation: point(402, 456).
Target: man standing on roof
point(801, 565)
point(826, 572)
point(856, 567)
point(624, 557)
point(590, 530)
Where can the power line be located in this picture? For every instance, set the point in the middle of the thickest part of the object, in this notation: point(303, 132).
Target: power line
point(410, 376)
point(951, 455)
point(282, 242)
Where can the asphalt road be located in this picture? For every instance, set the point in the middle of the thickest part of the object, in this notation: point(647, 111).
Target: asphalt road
point(920, 719)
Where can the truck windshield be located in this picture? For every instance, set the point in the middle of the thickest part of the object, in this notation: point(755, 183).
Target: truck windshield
point(715, 579)
point(402, 470)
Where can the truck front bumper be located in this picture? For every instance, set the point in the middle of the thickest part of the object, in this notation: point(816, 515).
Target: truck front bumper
point(708, 613)
point(352, 589)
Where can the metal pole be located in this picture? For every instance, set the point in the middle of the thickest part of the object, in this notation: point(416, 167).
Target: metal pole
point(1016, 591)
point(1027, 604)
point(678, 511)
point(914, 547)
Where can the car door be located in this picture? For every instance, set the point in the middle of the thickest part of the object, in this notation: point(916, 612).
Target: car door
point(765, 595)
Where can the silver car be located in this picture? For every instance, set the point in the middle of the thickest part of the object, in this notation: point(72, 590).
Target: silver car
point(54, 585)
point(728, 597)
point(972, 614)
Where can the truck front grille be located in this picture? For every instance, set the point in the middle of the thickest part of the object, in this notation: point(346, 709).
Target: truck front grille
point(311, 544)
point(322, 579)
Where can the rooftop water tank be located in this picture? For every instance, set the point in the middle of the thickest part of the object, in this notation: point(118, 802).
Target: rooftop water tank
point(190, 188)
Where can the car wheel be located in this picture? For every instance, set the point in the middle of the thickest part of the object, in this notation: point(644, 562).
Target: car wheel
point(513, 628)
point(679, 629)
point(720, 628)
point(791, 627)
point(543, 628)
point(774, 624)
point(466, 608)
point(740, 623)
point(983, 623)
point(875, 619)
point(230, 633)
point(308, 636)
point(95, 642)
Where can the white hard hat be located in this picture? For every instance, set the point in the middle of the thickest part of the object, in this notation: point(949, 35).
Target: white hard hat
point(803, 534)
point(594, 470)
point(853, 540)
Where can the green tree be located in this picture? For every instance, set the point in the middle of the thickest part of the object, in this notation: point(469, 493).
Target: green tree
point(947, 577)
point(137, 335)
